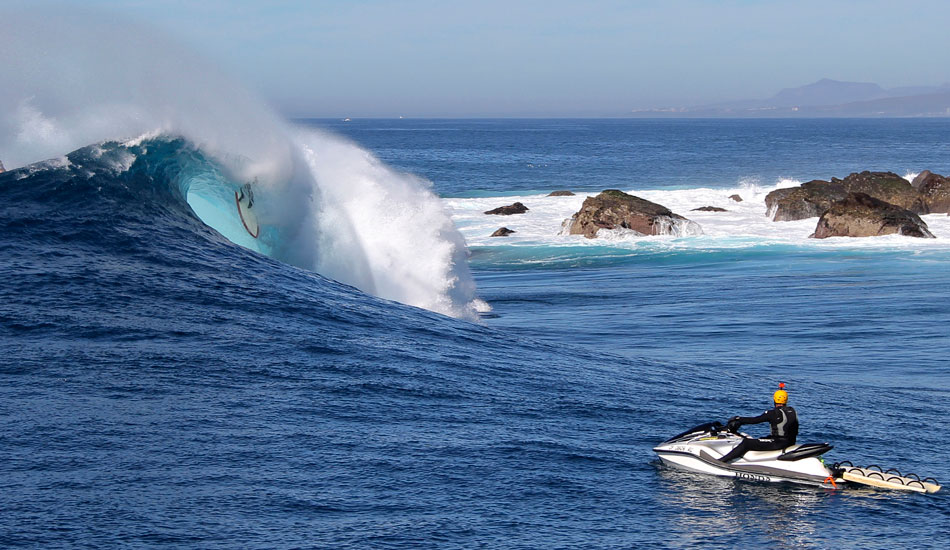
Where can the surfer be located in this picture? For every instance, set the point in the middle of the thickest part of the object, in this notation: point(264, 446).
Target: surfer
point(246, 192)
point(784, 422)
point(244, 200)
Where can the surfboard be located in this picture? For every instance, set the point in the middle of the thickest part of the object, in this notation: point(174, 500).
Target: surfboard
point(244, 199)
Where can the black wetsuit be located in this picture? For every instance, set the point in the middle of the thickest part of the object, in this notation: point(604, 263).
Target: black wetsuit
point(784, 421)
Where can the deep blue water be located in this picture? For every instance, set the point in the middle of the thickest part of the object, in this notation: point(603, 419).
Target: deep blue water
point(163, 387)
point(471, 157)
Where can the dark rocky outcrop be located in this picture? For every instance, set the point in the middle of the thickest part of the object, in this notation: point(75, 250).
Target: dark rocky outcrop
point(861, 215)
point(614, 209)
point(920, 178)
point(813, 198)
point(708, 209)
point(934, 190)
point(503, 232)
point(736, 198)
point(886, 186)
point(809, 200)
point(516, 208)
point(561, 193)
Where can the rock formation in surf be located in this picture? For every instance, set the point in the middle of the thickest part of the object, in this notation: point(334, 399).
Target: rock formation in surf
point(708, 209)
point(920, 178)
point(885, 186)
point(503, 232)
point(808, 200)
point(561, 193)
point(861, 215)
point(934, 190)
point(736, 198)
point(813, 198)
point(516, 208)
point(928, 193)
point(614, 209)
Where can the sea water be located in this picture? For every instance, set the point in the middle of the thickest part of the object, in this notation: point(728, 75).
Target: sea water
point(163, 386)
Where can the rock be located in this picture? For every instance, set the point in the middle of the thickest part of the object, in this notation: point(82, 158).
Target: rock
point(886, 186)
point(813, 198)
point(709, 209)
point(861, 215)
point(919, 179)
point(516, 208)
point(809, 200)
point(736, 198)
point(934, 190)
point(503, 232)
point(562, 193)
point(614, 209)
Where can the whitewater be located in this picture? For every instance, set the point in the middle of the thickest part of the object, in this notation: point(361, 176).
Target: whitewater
point(744, 224)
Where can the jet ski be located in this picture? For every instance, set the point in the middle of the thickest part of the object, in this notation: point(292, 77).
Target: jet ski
point(700, 449)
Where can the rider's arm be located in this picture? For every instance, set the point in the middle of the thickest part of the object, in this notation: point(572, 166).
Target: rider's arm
point(764, 417)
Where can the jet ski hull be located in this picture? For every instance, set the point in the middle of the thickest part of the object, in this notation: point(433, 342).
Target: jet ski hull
point(811, 473)
point(700, 449)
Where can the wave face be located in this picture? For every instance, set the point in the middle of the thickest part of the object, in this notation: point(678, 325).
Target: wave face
point(325, 224)
point(324, 204)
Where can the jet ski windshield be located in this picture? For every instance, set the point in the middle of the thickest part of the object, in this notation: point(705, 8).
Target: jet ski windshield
point(712, 427)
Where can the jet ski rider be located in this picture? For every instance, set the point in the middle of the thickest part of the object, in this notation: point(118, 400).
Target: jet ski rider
point(784, 422)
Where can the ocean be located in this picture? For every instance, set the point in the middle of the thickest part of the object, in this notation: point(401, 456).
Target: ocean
point(376, 371)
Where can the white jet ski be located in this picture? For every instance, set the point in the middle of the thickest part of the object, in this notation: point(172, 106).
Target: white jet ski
point(699, 450)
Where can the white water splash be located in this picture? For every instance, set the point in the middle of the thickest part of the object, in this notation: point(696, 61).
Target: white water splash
point(414, 253)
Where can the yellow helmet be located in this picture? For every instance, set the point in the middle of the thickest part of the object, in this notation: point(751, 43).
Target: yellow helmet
point(780, 397)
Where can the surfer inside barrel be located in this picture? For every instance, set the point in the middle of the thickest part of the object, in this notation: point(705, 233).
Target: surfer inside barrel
point(244, 200)
point(247, 192)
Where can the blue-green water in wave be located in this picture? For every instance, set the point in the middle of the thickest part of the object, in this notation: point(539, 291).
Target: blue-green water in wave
point(162, 387)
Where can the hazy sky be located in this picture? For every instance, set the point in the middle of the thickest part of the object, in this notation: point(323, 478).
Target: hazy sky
point(551, 57)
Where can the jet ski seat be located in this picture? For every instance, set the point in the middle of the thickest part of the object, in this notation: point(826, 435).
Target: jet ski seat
point(806, 450)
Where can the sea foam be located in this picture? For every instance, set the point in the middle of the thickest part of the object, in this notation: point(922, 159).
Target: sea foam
point(744, 224)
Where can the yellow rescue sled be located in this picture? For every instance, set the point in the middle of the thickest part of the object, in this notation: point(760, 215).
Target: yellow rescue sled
point(876, 476)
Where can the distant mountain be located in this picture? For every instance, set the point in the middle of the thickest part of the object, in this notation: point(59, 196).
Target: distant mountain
point(828, 98)
point(924, 105)
point(917, 90)
point(827, 92)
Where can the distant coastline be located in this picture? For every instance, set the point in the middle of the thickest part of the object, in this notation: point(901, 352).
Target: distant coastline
point(639, 115)
point(824, 99)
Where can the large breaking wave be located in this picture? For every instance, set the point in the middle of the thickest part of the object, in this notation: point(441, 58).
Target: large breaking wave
point(75, 79)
